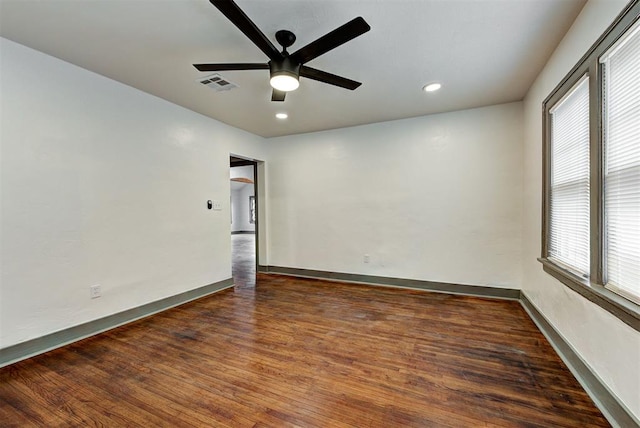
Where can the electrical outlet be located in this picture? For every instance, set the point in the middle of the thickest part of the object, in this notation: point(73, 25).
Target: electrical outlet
point(217, 205)
point(95, 291)
point(366, 258)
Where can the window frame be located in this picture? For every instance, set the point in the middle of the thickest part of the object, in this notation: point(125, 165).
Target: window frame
point(593, 287)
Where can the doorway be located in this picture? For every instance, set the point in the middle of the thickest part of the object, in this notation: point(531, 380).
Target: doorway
point(244, 221)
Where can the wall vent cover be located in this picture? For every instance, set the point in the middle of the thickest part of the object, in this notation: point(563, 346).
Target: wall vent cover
point(217, 83)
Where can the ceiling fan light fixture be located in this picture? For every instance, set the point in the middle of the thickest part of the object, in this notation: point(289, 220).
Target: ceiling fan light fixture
point(284, 82)
point(285, 75)
point(285, 69)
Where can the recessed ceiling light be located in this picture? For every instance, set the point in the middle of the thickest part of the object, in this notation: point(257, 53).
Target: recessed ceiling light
point(432, 87)
point(282, 115)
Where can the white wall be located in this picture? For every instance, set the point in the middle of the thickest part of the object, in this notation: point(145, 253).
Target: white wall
point(240, 193)
point(432, 198)
point(245, 171)
point(240, 209)
point(103, 184)
point(607, 345)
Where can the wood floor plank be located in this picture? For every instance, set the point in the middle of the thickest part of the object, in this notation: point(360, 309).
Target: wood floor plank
point(287, 352)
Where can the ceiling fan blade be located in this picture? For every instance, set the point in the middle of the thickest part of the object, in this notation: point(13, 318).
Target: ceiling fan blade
point(234, 14)
point(331, 40)
point(277, 95)
point(324, 77)
point(232, 66)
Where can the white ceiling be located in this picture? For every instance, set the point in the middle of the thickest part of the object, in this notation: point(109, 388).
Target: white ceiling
point(483, 52)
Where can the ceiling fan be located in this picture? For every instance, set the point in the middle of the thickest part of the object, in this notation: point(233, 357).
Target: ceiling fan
point(285, 68)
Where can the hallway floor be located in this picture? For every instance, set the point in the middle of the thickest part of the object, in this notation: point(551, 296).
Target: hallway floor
point(243, 256)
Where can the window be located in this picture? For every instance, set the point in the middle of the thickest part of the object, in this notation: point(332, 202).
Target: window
point(252, 209)
point(621, 139)
point(569, 176)
point(591, 181)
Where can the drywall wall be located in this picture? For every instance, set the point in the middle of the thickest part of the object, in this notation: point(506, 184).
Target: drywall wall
point(434, 198)
point(245, 171)
point(103, 184)
point(610, 347)
point(240, 209)
point(240, 193)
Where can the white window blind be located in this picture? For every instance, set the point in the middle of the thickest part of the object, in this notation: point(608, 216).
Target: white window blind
point(622, 165)
point(568, 239)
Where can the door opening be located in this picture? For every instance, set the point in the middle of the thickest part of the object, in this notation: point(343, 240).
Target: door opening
point(244, 221)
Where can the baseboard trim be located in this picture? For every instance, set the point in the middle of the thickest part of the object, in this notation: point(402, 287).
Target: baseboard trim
point(40, 345)
point(615, 411)
point(441, 287)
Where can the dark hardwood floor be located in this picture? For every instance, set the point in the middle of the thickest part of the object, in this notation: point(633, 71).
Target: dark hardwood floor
point(297, 352)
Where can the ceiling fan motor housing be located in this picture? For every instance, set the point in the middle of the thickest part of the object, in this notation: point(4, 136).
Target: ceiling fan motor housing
point(285, 67)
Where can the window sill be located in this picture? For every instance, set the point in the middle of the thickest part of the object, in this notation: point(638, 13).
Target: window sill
point(627, 311)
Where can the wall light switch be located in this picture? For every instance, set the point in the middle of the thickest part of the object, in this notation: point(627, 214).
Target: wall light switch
point(217, 205)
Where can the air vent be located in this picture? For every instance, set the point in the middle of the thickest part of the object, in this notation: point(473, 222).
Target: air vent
point(217, 83)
